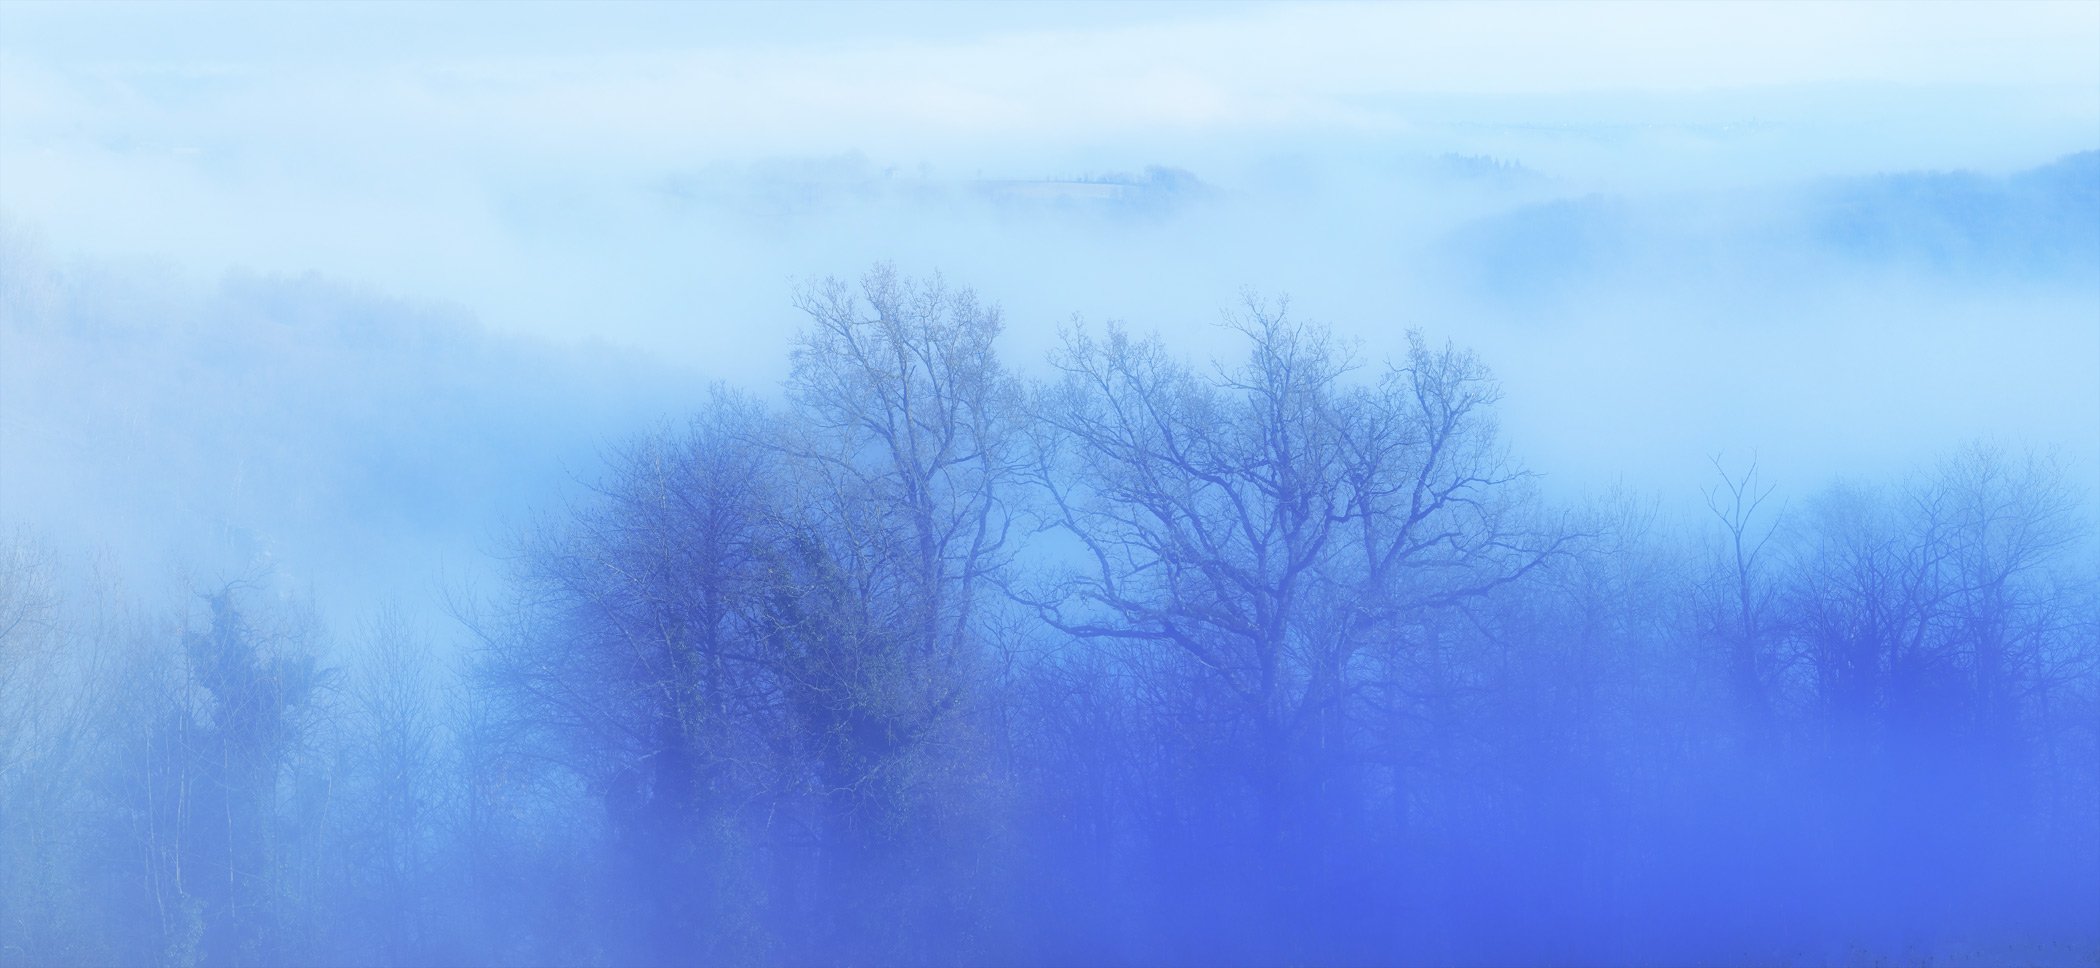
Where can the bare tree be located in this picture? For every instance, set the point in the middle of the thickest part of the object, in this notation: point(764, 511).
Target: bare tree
point(900, 440)
point(905, 420)
point(1273, 524)
point(39, 756)
point(1742, 595)
point(206, 738)
point(770, 629)
point(1935, 612)
point(394, 731)
point(634, 656)
point(2008, 522)
point(29, 620)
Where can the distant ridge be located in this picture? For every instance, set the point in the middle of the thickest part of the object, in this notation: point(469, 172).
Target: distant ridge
point(2039, 225)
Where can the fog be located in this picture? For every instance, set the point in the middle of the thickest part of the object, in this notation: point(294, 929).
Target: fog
point(392, 369)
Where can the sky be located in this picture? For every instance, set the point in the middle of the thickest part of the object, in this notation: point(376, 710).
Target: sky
point(438, 140)
point(658, 177)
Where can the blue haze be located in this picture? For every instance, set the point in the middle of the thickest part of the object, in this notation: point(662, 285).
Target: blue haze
point(435, 528)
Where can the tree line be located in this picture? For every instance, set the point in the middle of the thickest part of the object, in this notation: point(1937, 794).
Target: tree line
point(1278, 659)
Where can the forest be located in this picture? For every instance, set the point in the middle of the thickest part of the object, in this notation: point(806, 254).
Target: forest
point(1127, 656)
point(817, 483)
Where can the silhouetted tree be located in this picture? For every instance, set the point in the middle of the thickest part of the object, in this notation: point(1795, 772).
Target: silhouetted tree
point(1276, 528)
point(900, 436)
